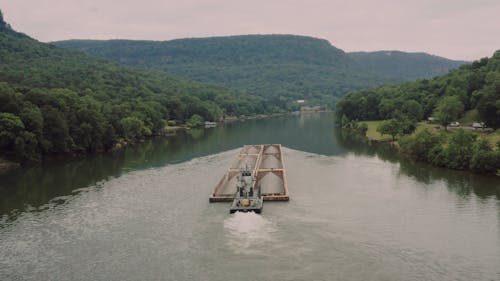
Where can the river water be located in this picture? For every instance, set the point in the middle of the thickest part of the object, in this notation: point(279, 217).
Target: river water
point(357, 212)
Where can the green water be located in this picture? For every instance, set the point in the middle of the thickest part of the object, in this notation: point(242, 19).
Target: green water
point(357, 212)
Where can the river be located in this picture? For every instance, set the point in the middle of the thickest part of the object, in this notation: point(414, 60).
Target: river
point(357, 212)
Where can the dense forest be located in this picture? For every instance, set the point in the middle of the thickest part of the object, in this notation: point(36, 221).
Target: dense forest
point(475, 86)
point(472, 88)
point(400, 66)
point(282, 68)
point(55, 101)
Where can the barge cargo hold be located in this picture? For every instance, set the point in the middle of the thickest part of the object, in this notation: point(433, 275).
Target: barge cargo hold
point(265, 161)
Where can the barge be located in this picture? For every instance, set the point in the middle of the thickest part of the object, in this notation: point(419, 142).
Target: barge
point(264, 164)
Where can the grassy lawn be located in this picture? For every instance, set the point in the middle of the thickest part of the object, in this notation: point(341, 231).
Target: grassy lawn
point(374, 135)
point(372, 131)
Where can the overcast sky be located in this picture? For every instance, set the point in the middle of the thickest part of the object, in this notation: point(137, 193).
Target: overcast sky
point(457, 29)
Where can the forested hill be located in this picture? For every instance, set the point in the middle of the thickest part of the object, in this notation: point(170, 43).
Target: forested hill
point(398, 66)
point(280, 67)
point(232, 50)
point(474, 86)
point(59, 101)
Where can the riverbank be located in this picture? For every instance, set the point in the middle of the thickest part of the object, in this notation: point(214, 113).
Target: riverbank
point(492, 137)
point(169, 130)
point(455, 148)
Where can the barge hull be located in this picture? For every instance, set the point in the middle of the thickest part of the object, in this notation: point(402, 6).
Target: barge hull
point(266, 163)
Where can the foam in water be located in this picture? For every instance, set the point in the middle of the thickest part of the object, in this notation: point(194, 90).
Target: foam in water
point(245, 232)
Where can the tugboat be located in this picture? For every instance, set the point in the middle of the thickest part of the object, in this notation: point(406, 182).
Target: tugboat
point(246, 199)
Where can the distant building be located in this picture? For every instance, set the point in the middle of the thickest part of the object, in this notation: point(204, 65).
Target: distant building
point(300, 101)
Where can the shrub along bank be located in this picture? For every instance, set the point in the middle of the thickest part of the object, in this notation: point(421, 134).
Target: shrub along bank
point(459, 149)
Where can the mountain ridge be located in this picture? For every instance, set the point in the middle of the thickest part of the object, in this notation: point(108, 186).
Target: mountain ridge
point(302, 67)
point(393, 64)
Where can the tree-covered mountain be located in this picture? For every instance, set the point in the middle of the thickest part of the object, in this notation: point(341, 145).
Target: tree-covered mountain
point(472, 86)
point(60, 101)
point(400, 66)
point(279, 67)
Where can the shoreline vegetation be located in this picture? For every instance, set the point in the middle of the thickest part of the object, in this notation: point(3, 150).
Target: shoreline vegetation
point(459, 148)
point(170, 129)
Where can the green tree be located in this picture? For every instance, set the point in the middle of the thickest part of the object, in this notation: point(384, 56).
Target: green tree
point(2, 22)
point(10, 101)
point(406, 124)
point(448, 110)
point(413, 110)
point(195, 121)
point(132, 127)
point(420, 145)
point(56, 138)
point(459, 150)
point(28, 148)
point(484, 159)
point(488, 105)
point(389, 127)
point(32, 119)
point(387, 108)
point(401, 125)
point(11, 128)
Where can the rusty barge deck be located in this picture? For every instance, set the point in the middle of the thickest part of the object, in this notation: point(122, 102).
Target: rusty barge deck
point(266, 163)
